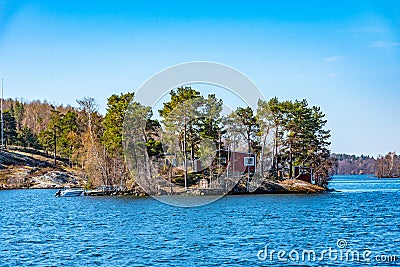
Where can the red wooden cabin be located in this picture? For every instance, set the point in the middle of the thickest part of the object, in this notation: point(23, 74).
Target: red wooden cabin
point(240, 162)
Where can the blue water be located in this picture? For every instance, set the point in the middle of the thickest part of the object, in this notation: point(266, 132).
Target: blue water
point(37, 228)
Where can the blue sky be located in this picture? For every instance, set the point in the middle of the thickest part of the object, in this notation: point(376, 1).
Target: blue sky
point(340, 55)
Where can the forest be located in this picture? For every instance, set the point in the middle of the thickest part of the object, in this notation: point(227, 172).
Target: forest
point(388, 166)
point(283, 136)
point(352, 164)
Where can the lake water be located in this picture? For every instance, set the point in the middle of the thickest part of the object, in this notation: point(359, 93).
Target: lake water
point(37, 228)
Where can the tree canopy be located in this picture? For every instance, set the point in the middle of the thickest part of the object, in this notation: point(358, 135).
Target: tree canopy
point(283, 135)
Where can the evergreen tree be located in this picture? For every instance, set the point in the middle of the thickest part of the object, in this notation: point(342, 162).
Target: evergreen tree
point(10, 128)
point(250, 128)
point(68, 139)
point(117, 106)
point(46, 140)
point(300, 137)
point(27, 138)
point(19, 111)
point(152, 136)
point(113, 122)
point(191, 120)
point(178, 97)
point(211, 127)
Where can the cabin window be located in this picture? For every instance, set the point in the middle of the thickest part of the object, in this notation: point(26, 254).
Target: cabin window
point(248, 161)
point(222, 160)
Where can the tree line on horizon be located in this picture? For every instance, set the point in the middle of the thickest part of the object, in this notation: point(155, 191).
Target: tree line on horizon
point(384, 166)
point(352, 164)
point(94, 142)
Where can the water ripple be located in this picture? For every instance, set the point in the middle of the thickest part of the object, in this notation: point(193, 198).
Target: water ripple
point(38, 229)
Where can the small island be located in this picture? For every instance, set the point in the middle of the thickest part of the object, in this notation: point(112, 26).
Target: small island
point(24, 168)
point(191, 147)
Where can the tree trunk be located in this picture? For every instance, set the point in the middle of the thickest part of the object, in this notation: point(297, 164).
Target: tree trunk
point(185, 155)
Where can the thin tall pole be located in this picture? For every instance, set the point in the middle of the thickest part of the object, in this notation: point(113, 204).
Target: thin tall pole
point(55, 145)
point(2, 121)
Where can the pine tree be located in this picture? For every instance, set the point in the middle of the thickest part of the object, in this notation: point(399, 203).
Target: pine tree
point(113, 122)
point(10, 128)
point(300, 137)
point(68, 140)
point(19, 111)
point(27, 138)
point(117, 106)
point(250, 128)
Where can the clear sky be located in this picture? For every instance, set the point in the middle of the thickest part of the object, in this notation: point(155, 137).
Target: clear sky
point(341, 55)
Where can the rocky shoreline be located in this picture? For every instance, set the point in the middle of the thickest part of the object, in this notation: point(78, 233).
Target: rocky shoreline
point(289, 187)
point(19, 170)
point(34, 178)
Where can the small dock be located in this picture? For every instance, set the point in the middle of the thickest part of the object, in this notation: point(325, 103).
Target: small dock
point(102, 191)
